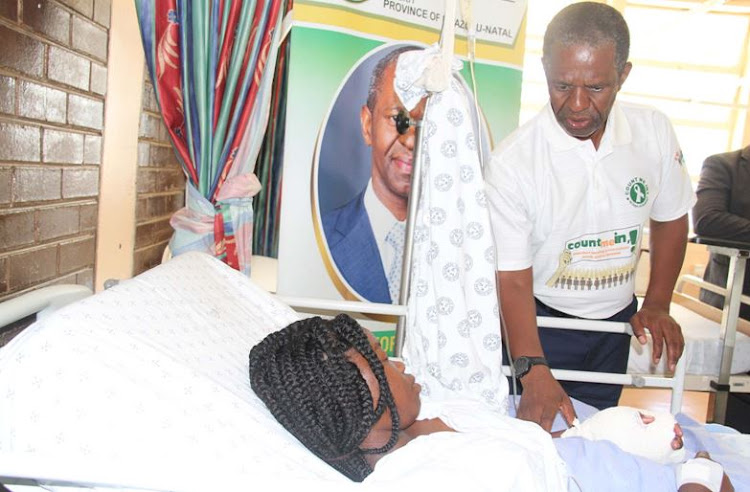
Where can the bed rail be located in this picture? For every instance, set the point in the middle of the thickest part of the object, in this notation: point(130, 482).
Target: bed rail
point(40, 302)
point(676, 382)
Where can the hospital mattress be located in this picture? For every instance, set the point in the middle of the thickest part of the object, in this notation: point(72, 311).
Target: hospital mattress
point(703, 347)
point(144, 386)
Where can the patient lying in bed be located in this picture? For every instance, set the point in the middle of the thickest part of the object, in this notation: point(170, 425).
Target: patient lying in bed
point(330, 384)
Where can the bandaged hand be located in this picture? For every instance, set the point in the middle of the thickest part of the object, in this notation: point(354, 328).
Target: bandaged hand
point(653, 435)
point(702, 474)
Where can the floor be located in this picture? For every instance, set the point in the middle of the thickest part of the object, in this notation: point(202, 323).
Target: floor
point(694, 404)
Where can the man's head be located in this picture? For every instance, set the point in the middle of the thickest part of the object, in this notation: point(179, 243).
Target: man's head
point(585, 58)
point(392, 153)
point(330, 385)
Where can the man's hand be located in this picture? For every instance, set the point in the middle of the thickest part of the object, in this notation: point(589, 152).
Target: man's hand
point(664, 330)
point(542, 398)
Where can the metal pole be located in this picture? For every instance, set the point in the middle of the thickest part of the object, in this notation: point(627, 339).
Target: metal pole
point(414, 191)
point(735, 279)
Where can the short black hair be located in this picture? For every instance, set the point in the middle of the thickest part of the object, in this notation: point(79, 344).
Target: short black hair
point(306, 379)
point(589, 23)
point(376, 78)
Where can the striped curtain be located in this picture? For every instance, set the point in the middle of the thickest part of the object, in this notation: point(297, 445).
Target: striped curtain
point(212, 64)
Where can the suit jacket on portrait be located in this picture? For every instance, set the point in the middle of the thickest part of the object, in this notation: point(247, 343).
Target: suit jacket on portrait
point(354, 250)
point(723, 211)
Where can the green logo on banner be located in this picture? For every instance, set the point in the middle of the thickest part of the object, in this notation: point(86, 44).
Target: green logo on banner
point(637, 192)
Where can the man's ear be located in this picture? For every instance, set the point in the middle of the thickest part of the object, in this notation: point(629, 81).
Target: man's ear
point(625, 73)
point(365, 119)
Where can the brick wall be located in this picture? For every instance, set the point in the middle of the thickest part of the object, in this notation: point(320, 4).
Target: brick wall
point(160, 185)
point(53, 75)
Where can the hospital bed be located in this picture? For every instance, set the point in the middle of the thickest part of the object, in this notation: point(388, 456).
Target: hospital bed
point(704, 343)
point(145, 386)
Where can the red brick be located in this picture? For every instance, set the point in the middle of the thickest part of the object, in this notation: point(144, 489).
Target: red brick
point(62, 147)
point(86, 112)
point(152, 233)
point(41, 103)
point(146, 181)
point(98, 79)
point(77, 255)
point(89, 38)
point(86, 7)
point(6, 176)
point(147, 258)
point(16, 229)
point(143, 153)
point(103, 12)
point(92, 149)
point(164, 156)
point(64, 280)
point(9, 9)
point(36, 183)
point(33, 267)
point(3, 275)
point(150, 126)
point(7, 94)
point(141, 209)
point(86, 278)
point(158, 206)
point(80, 182)
point(171, 180)
point(68, 68)
point(88, 215)
point(58, 222)
point(149, 96)
point(21, 53)
point(19, 142)
point(47, 18)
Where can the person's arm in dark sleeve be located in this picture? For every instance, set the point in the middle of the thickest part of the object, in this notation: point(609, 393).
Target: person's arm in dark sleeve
point(711, 215)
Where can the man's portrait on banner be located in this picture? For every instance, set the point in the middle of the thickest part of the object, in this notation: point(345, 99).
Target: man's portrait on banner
point(362, 179)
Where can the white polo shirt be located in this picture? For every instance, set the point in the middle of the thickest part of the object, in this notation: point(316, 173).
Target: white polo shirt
point(576, 214)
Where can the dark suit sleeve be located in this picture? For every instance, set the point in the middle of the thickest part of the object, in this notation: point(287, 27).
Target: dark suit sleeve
point(711, 214)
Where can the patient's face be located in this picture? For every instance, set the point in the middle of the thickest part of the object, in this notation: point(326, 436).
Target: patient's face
point(403, 388)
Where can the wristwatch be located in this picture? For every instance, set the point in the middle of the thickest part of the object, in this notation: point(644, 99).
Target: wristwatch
point(523, 364)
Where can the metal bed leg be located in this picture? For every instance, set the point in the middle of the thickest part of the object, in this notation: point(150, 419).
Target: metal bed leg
point(735, 279)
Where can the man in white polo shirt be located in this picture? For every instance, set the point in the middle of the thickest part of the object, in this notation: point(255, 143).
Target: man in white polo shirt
point(570, 194)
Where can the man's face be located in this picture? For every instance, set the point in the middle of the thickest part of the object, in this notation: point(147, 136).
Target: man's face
point(392, 153)
point(583, 82)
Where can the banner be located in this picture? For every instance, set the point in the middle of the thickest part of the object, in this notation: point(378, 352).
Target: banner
point(342, 151)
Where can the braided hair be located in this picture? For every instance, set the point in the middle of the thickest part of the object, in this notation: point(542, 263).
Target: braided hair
point(304, 377)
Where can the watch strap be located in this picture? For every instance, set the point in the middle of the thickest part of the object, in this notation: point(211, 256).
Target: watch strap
point(526, 363)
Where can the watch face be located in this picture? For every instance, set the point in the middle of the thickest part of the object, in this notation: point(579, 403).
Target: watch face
point(522, 366)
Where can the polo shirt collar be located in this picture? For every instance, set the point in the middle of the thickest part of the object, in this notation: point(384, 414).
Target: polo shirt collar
point(616, 133)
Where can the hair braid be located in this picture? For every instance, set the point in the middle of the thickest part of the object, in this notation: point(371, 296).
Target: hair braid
point(304, 376)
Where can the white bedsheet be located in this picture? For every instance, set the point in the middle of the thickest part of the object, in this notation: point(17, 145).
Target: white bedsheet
point(146, 385)
point(702, 347)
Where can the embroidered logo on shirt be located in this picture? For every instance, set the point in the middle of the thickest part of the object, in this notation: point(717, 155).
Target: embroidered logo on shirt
point(679, 158)
point(637, 192)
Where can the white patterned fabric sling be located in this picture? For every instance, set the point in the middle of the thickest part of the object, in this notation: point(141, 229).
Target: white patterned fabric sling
point(452, 342)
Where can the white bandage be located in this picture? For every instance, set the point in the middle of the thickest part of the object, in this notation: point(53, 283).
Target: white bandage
point(701, 471)
point(625, 427)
